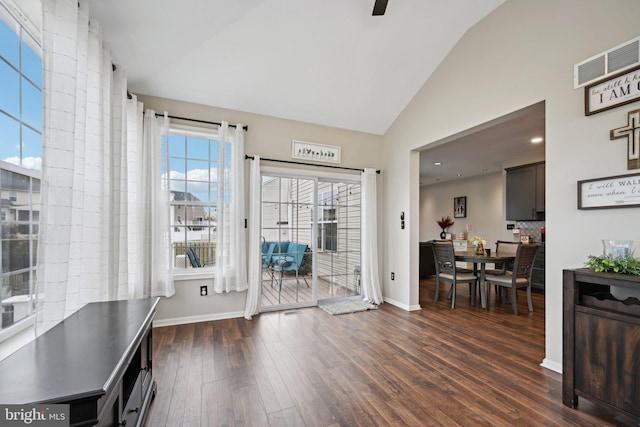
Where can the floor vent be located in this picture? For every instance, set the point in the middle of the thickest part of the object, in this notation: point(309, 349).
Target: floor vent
point(604, 64)
point(290, 312)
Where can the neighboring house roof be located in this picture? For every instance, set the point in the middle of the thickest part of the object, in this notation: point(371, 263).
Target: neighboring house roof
point(184, 196)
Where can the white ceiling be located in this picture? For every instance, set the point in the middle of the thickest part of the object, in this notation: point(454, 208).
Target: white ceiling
point(505, 141)
point(327, 62)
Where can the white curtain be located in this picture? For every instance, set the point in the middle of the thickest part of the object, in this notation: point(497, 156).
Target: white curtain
point(255, 260)
point(231, 256)
point(153, 221)
point(369, 271)
point(89, 213)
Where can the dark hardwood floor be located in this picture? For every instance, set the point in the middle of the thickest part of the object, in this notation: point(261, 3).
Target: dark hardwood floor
point(385, 367)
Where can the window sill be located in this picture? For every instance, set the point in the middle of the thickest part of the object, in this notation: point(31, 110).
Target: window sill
point(17, 336)
point(194, 274)
point(18, 327)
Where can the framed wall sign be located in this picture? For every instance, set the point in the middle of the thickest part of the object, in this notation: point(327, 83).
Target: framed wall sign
point(621, 191)
point(614, 91)
point(460, 207)
point(318, 152)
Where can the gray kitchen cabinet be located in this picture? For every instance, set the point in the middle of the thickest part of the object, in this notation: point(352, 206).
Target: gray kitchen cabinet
point(525, 192)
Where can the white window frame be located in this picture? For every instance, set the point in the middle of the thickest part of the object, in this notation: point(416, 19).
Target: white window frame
point(188, 273)
point(322, 222)
point(23, 21)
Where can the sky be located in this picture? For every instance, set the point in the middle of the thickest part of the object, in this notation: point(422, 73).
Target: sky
point(193, 165)
point(20, 99)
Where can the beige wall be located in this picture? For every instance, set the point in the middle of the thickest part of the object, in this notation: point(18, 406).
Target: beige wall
point(485, 212)
point(520, 54)
point(268, 137)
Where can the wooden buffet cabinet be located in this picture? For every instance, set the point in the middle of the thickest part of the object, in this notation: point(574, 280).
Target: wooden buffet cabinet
point(98, 361)
point(601, 355)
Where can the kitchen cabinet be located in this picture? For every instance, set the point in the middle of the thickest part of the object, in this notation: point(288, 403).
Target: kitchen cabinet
point(427, 262)
point(525, 192)
point(601, 341)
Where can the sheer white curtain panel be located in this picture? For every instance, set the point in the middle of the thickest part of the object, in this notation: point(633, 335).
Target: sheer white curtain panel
point(255, 261)
point(231, 256)
point(87, 248)
point(153, 223)
point(370, 275)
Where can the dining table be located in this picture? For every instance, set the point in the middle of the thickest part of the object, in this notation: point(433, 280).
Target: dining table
point(481, 259)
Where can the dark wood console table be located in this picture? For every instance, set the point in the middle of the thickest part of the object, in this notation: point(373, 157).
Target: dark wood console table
point(98, 361)
point(601, 353)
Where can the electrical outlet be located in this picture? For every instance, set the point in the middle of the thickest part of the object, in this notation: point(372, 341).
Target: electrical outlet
point(510, 226)
point(203, 291)
point(393, 276)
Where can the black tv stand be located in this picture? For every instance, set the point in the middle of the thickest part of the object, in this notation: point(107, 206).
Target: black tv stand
point(98, 361)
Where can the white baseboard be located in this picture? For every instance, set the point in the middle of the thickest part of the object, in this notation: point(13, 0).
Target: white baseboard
point(196, 319)
point(402, 306)
point(554, 366)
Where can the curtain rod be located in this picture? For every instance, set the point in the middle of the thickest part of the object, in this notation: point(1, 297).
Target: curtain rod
point(245, 127)
point(308, 164)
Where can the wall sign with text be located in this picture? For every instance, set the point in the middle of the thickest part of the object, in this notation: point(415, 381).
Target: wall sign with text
point(612, 192)
point(318, 152)
point(611, 92)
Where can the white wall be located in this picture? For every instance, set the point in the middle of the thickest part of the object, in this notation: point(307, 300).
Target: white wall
point(268, 137)
point(520, 54)
point(485, 208)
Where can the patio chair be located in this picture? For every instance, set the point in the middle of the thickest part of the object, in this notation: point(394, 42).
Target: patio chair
point(194, 259)
point(291, 261)
point(267, 257)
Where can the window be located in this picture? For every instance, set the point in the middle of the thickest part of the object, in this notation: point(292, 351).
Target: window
point(191, 162)
point(20, 161)
point(327, 221)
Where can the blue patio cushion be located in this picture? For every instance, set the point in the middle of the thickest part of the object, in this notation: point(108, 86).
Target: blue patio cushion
point(292, 259)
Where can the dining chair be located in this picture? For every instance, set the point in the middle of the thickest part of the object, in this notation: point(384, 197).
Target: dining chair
point(519, 277)
point(446, 270)
point(507, 248)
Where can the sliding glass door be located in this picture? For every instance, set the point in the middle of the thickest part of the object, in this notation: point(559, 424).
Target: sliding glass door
point(310, 240)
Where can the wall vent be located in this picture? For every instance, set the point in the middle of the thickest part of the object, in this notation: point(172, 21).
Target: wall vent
point(607, 63)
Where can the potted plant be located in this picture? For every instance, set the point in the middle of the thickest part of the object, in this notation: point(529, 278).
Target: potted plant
point(444, 223)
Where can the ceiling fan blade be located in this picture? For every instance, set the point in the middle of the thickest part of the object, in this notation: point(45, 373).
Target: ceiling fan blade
point(379, 7)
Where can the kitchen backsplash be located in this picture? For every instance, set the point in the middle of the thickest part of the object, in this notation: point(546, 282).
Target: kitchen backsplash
point(531, 228)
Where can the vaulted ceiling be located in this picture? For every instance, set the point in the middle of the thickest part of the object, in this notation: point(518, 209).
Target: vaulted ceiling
point(328, 62)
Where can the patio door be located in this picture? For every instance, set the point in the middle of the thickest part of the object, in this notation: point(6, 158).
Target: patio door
point(310, 240)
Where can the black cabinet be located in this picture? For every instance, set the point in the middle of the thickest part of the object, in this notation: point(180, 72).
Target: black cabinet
point(98, 361)
point(525, 192)
point(427, 262)
point(601, 344)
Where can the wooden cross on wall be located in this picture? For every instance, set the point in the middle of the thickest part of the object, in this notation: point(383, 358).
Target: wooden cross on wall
point(632, 132)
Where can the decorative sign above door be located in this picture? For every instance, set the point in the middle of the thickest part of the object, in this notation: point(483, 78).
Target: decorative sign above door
point(612, 92)
point(632, 132)
point(318, 152)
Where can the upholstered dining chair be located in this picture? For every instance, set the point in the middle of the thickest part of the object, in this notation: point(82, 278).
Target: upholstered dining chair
point(446, 270)
point(519, 277)
point(504, 247)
